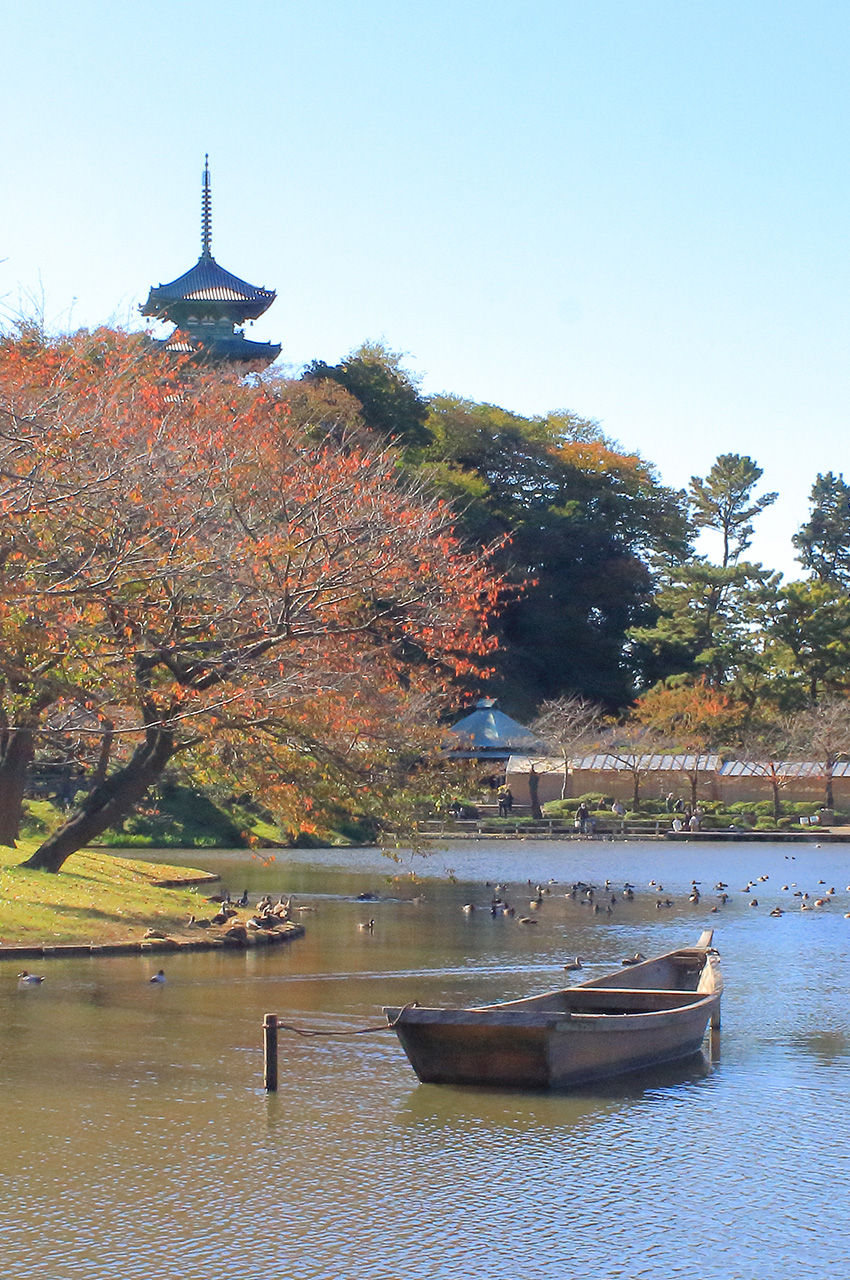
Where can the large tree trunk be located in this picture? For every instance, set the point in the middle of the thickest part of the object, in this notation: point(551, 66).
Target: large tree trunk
point(105, 752)
point(109, 802)
point(15, 758)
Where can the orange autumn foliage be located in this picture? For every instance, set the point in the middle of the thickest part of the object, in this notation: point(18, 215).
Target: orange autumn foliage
point(691, 715)
point(187, 561)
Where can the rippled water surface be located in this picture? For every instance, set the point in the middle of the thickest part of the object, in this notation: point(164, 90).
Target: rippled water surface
point(137, 1140)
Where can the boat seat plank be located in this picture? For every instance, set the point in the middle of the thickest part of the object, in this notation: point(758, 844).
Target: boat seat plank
point(644, 998)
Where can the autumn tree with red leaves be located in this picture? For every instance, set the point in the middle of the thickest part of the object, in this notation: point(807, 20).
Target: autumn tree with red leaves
point(210, 578)
point(694, 718)
point(692, 714)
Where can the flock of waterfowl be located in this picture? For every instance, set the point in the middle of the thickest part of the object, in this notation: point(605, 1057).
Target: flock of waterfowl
point(268, 920)
point(604, 899)
point(596, 899)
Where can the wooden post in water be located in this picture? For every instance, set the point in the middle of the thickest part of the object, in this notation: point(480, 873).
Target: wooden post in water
point(270, 1052)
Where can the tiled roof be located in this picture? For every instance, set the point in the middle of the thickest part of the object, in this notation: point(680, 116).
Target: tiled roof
point(618, 764)
point(655, 763)
point(782, 768)
point(681, 763)
point(221, 347)
point(208, 282)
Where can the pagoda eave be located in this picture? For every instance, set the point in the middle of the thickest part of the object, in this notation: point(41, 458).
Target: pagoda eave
point(182, 311)
point(229, 349)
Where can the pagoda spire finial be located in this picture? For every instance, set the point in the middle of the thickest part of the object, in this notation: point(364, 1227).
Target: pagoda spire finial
point(206, 211)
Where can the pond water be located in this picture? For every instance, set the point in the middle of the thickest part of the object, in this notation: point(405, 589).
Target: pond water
point(137, 1139)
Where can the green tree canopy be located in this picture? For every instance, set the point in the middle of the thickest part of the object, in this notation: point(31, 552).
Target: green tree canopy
point(823, 542)
point(391, 403)
point(584, 520)
point(711, 618)
point(810, 635)
point(724, 501)
point(712, 624)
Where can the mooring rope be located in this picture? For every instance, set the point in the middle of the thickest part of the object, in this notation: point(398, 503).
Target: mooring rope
point(361, 1031)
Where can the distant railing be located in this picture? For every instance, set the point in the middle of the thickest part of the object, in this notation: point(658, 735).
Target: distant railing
point(550, 826)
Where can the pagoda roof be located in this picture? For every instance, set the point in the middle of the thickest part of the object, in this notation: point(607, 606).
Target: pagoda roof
point(489, 732)
point(208, 282)
point(215, 347)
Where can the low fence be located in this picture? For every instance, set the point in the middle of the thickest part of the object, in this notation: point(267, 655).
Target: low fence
point(560, 827)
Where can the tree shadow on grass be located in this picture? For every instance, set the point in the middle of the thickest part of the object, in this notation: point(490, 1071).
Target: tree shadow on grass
point(96, 913)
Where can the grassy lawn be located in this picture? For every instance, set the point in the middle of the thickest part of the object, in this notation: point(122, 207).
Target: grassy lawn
point(94, 898)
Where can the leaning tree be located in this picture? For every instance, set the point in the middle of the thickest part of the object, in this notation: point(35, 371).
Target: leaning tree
point(213, 581)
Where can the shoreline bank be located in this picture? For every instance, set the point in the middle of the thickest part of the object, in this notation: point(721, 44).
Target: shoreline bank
point(147, 946)
point(98, 904)
point(815, 836)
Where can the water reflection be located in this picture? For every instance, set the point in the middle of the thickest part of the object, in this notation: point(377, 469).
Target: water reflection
point(827, 1047)
point(444, 1104)
point(137, 1137)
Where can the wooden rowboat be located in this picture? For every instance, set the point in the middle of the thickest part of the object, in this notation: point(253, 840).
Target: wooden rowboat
point(650, 1012)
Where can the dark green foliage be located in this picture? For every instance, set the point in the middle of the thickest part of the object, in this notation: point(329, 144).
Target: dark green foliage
point(306, 840)
point(584, 520)
point(32, 823)
point(391, 404)
point(764, 808)
point(178, 816)
point(711, 618)
point(824, 541)
point(810, 629)
point(593, 799)
point(711, 624)
point(724, 501)
point(716, 816)
point(354, 828)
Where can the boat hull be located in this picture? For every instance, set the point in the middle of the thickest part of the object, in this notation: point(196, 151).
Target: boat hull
point(613, 1025)
point(556, 1057)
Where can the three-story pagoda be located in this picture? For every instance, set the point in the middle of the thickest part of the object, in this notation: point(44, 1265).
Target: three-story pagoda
point(208, 305)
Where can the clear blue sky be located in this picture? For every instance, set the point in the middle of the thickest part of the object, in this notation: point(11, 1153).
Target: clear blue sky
point(635, 209)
